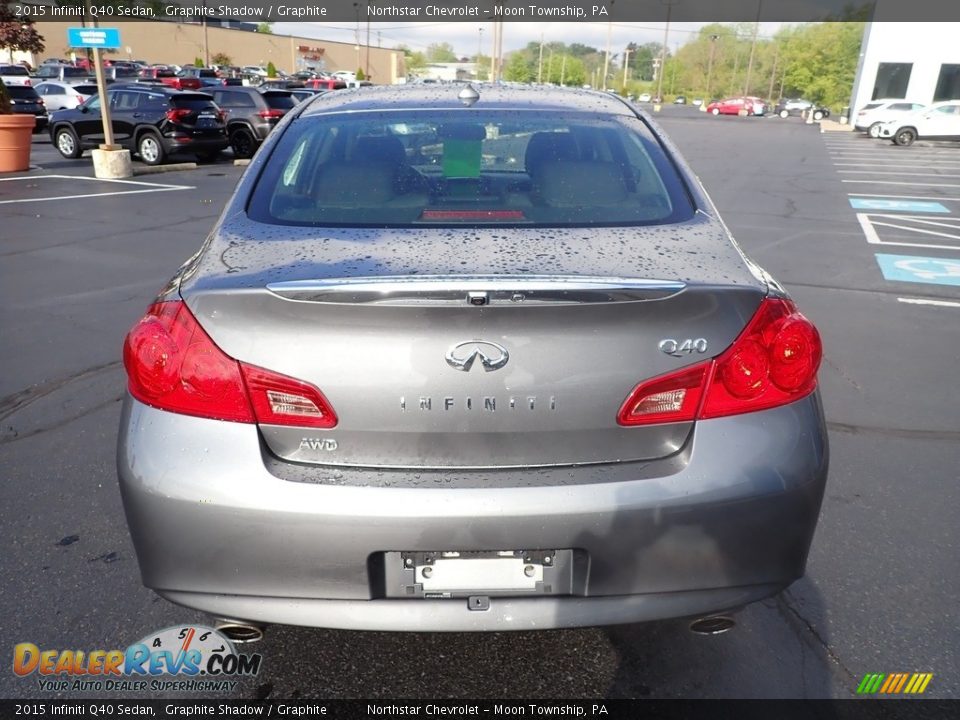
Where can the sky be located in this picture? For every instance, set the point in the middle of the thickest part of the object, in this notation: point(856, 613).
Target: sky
point(465, 37)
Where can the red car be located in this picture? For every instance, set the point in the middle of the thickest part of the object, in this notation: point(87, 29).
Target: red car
point(169, 77)
point(731, 106)
point(325, 83)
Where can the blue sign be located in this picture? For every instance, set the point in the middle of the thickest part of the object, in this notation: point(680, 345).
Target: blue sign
point(93, 37)
point(911, 268)
point(897, 205)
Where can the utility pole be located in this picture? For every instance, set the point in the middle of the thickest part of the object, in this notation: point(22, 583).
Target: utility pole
point(626, 65)
point(206, 44)
point(713, 47)
point(366, 62)
point(663, 56)
point(773, 73)
point(606, 56)
point(753, 48)
point(540, 62)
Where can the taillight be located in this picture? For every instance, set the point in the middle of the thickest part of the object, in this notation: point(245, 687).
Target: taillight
point(178, 114)
point(774, 361)
point(267, 114)
point(172, 364)
point(27, 83)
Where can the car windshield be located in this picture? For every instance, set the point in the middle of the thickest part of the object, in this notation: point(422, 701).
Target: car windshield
point(85, 89)
point(74, 72)
point(439, 168)
point(196, 102)
point(14, 70)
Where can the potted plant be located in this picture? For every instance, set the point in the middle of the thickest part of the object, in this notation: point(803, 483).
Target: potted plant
point(16, 131)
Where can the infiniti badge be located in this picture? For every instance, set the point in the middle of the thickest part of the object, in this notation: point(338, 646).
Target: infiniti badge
point(492, 356)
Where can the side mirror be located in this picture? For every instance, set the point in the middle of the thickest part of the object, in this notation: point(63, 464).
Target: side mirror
point(84, 109)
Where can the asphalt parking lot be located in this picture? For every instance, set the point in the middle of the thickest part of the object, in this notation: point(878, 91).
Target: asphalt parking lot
point(865, 235)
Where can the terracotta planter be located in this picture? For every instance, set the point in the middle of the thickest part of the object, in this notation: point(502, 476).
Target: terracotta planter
point(16, 134)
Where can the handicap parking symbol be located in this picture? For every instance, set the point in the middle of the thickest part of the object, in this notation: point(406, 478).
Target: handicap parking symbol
point(912, 268)
point(897, 205)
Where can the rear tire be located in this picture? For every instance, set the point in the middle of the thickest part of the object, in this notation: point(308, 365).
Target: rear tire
point(818, 115)
point(784, 114)
point(905, 137)
point(67, 143)
point(150, 149)
point(874, 130)
point(715, 111)
point(243, 143)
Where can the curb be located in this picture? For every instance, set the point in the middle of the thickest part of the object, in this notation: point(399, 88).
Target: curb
point(155, 169)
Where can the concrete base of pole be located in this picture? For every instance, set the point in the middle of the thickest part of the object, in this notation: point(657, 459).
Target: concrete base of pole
point(656, 107)
point(112, 164)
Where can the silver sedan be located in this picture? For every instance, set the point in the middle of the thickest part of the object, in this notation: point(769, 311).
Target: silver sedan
point(461, 358)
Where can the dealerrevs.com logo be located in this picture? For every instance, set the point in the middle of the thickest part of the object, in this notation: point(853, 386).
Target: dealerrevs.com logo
point(186, 658)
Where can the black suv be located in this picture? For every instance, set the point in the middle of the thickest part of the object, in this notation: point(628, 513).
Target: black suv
point(251, 115)
point(26, 101)
point(153, 121)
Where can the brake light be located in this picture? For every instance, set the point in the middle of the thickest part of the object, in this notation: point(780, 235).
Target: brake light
point(27, 82)
point(774, 361)
point(267, 114)
point(177, 114)
point(172, 364)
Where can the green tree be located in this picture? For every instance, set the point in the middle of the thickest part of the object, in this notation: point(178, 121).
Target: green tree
point(221, 59)
point(271, 70)
point(415, 61)
point(360, 75)
point(519, 68)
point(266, 28)
point(18, 33)
point(441, 53)
point(198, 62)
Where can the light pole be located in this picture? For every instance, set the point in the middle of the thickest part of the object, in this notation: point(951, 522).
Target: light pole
point(606, 55)
point(626, 65)
point(479, 49)
point(540, 62)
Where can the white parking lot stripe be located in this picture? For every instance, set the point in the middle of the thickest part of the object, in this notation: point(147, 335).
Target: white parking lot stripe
point(905, 197)
point(922, 301)
point(867, 225)
point(893, 182)
point(900, 174)
point(148, 187)
point(935, 165)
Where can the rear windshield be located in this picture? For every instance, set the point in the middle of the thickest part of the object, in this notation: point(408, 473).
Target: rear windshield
point(193, 102)
point(74, 72)
point(22, 92)
point(523, 168)
point(14, 70)
point(280, 100)
point(86, 89)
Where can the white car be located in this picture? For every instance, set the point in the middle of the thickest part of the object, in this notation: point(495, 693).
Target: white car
point(940, 121)
point(877, 112)
point(253, 70)
point(14, 75)
point(64, 96)
point(644, 97)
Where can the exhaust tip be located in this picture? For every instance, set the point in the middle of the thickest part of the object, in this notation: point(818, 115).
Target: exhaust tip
point(238, 632)
point(715, 625)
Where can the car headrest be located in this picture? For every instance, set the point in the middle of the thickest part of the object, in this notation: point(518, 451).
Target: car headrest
point(549, 147)
point(379, 149)
point(354, 184)
point(580, 183)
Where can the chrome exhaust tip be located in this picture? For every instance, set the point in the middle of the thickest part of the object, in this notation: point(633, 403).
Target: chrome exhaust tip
point(239, 632)
point(714, 625)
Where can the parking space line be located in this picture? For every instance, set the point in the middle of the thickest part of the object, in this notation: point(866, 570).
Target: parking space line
point(873, 238)
point(905, 197)
point(148, 187)
point(901, 174)
point(908, 184)
point(916, 230)
point(923, 301)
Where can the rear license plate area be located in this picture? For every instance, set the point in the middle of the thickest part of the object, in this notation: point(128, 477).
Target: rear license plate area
point(465, 574)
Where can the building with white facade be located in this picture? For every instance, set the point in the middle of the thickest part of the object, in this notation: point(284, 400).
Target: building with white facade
point(916, 61)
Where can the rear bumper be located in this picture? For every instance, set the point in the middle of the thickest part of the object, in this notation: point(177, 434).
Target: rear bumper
point(728, 522)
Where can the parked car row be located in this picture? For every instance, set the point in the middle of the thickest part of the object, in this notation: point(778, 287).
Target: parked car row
point(156, 121)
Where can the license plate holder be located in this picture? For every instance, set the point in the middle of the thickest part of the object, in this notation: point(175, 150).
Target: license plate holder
point(461, 574)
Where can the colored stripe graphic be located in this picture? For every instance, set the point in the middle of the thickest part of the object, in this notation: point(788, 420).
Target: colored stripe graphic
point(894, 683)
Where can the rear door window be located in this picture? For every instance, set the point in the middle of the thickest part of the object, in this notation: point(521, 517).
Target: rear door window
point(280, 100)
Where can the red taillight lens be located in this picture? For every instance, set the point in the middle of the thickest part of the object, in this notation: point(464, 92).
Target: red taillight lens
point(177, 114)
point(172, 364)
point(774, 361)
point(27, 83)
point(267, 114)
